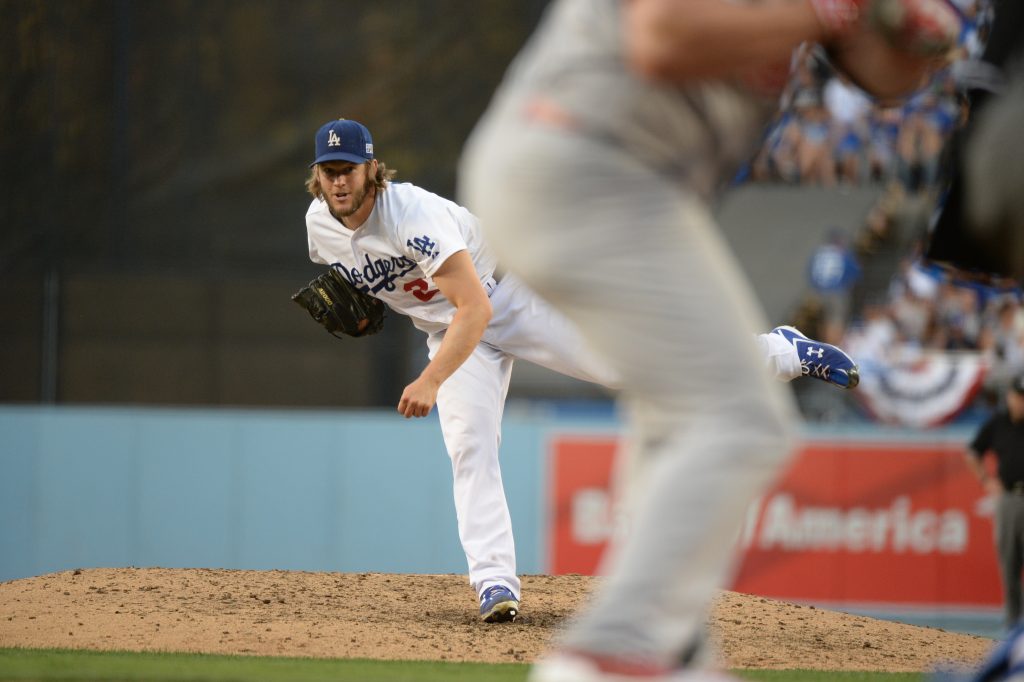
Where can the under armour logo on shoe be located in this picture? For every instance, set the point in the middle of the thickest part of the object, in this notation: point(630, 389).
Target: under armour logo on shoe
point(812, 350)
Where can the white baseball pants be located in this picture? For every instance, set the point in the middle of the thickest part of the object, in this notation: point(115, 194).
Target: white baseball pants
point(470, 406)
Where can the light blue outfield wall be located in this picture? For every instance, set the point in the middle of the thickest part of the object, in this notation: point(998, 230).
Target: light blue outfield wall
point(317, 491)
point(296, 490)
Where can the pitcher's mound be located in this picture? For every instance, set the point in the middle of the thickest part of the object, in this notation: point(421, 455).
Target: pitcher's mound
point(424, 617)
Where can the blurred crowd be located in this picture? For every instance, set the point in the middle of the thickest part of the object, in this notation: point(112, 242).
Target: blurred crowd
point(919, 308)
point(912, 329)
point(830, 133)
point(924, 309)
point(870, 292)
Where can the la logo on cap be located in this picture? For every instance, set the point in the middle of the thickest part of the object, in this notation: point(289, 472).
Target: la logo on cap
point(333, 140)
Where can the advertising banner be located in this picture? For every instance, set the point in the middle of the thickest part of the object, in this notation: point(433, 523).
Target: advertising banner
point(900, 523)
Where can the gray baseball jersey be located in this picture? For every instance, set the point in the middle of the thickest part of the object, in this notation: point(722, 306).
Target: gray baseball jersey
point(699, 134)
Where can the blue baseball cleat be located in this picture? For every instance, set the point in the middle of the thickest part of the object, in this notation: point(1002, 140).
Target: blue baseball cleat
point(822, 360)
point(498, 605)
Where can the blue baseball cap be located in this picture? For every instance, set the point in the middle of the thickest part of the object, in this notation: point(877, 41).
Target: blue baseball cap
point(343, 140)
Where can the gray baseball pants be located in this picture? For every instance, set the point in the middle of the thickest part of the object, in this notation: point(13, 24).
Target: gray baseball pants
point(636, 262)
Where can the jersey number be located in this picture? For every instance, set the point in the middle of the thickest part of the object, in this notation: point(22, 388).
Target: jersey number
point(420, 289)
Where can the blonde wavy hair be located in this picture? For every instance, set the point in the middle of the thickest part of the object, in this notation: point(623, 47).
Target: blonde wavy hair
point(384, 175)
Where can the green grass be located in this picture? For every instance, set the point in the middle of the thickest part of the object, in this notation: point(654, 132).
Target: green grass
point(819, 676)
point(46, 665)
point(52, 665)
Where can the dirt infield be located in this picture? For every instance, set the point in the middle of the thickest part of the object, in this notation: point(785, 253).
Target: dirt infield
point(427, 617)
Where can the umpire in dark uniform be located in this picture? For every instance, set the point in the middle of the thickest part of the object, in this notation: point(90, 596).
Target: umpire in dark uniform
point(1003, 436)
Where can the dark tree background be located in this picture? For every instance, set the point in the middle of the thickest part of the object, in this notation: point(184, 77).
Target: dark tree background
point(153, 156)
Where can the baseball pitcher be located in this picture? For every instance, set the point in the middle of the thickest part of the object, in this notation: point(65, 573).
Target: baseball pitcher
point(424, 256)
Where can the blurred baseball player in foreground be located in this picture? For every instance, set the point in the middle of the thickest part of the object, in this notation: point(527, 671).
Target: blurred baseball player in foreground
point(424, 257)
point(592, 174)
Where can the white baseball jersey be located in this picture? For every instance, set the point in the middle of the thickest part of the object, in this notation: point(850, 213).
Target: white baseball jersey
point(393, 255)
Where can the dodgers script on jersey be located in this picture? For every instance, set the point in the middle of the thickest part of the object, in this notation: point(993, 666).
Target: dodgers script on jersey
point(393, 255)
